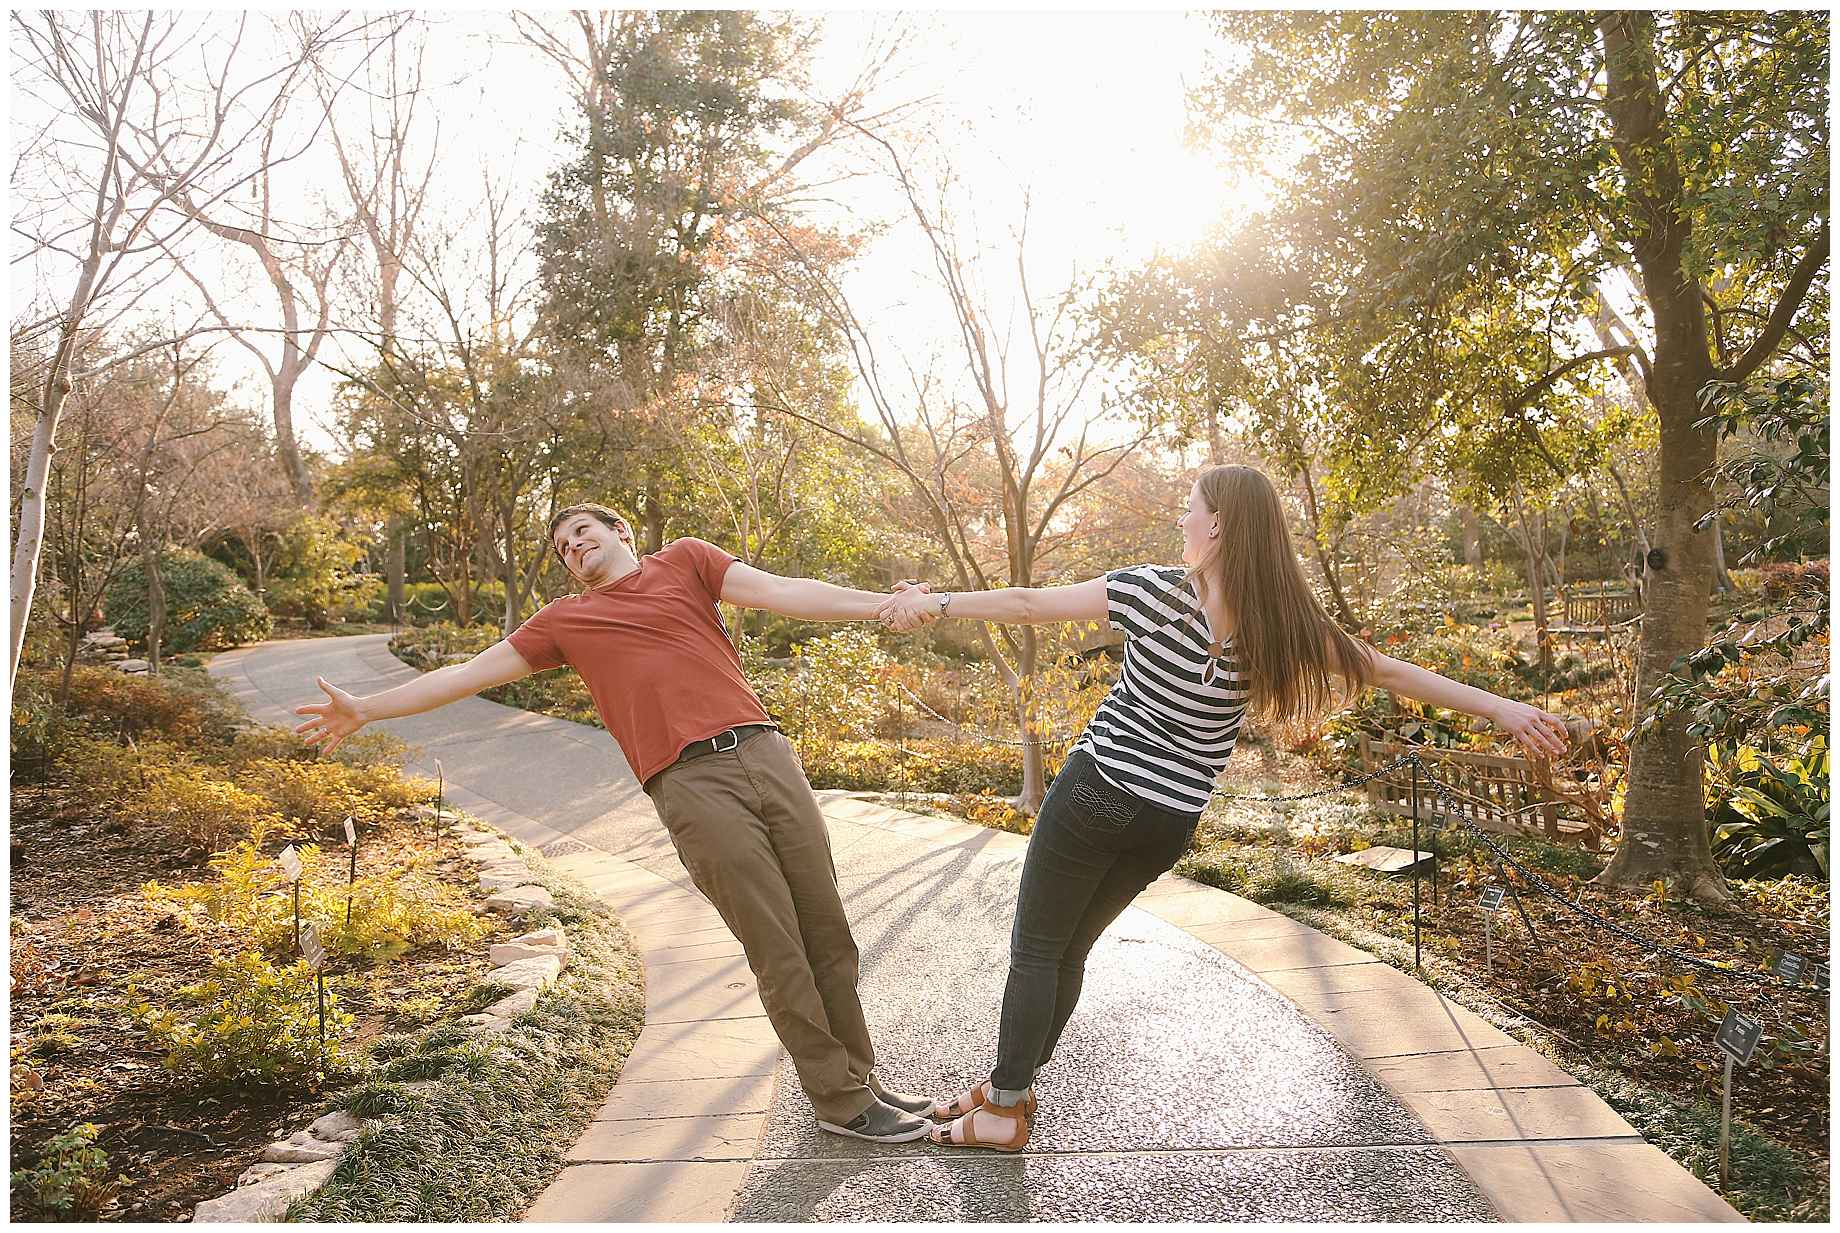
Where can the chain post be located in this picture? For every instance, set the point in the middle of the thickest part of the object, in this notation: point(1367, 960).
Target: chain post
point(1416, 941)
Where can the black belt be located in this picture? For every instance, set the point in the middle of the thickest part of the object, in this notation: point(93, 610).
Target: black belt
point(721, 742)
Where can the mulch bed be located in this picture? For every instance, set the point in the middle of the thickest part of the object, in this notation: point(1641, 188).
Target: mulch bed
point(80, 931)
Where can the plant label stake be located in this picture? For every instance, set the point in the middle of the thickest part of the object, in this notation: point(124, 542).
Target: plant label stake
point(289, 860)
point(1737, 1040)
point(351, 841)
point(440, 791)
point(1790, 967)
point(316, 959)
point(1491, 903)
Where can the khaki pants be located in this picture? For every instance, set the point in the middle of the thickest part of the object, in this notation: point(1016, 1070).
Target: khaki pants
point(748, 830)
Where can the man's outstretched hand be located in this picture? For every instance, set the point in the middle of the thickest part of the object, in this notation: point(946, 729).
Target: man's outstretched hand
point(908, 607)
point(333, 720)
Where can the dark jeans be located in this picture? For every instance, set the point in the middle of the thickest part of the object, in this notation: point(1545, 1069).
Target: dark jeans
point(1093, 850)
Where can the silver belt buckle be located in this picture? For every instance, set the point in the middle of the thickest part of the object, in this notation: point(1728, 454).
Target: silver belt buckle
point(734, 740)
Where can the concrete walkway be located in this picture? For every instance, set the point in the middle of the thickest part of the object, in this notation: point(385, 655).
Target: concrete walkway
point(1226, 1062)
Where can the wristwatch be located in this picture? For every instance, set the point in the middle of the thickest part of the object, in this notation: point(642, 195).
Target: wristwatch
point(944, 600)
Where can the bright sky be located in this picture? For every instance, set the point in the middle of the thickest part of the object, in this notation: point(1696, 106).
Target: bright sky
point(1084, 110)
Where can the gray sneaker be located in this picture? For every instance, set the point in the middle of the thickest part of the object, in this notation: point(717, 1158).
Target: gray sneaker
point(906, 1102)
point(881, 1123)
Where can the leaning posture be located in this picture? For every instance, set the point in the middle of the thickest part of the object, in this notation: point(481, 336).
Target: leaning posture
point(1236, 632)
point(646, 636)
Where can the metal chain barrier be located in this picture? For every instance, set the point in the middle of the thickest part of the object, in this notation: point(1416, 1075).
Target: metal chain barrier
point(1447, 808)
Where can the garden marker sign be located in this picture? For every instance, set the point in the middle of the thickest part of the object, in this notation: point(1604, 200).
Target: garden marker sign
point(1491, 903)
point(1791, 967)
point(1737, 1040)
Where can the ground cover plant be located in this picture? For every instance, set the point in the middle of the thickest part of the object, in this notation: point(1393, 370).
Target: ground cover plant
point(164, 1030)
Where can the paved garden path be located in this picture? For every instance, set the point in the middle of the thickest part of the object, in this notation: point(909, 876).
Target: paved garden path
point(1226, 1062)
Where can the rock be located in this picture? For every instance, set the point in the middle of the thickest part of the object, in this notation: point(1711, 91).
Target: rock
point(486, 1025)
point(507, 1008)
point(502, 953)
point(337, 1127)
point(288, 1152)
point(261, 1172)
point(266, 1200)
point(502, 881)
point(520, 900)
point(494, 855)
point(550, 935)
point(537, 972)
point(299, 1137)
point(133, 665)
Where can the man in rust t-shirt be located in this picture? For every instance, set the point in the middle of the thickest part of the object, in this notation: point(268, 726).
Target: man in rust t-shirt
point(646, 636)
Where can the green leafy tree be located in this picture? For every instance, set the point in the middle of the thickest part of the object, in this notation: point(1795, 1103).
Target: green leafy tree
point(1495, 208)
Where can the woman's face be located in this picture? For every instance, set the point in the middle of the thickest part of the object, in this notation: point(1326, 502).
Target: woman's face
point(1200, 526)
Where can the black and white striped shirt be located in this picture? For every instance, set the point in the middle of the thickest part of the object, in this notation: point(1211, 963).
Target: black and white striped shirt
point(1161, 734)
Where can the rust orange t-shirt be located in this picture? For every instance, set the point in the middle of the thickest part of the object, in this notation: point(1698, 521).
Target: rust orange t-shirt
point(653, 652)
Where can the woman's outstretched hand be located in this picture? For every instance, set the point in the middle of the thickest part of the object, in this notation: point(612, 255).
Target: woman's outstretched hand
point(333, 720)
point(1540, 733)
point(908, 607)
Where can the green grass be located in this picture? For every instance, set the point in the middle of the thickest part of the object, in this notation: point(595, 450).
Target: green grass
point(485, 1140)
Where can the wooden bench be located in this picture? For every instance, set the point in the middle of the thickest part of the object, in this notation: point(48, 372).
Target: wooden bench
point(1575, 613)
point(1502, 795)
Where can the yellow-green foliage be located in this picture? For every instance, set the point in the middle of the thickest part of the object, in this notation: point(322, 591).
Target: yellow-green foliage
point(390, 912)
point(208, 811)
point(251, 1021)
point(99, 775)
point(318, 796)
point(927, 766)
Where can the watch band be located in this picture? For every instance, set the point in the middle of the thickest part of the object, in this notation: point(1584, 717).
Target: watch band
point(944, 600)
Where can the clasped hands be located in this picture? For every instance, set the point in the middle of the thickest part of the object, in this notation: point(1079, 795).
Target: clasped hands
point(908, 607)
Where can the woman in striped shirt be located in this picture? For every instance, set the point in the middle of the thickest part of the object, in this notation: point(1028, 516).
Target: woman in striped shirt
point(1237, 630)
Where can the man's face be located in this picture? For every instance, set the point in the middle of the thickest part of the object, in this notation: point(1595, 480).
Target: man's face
point(587, 545)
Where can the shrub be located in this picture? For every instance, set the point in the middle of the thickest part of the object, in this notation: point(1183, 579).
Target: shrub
point(390, 912)
point(313, 577)
point(833, 693)
point(130, 706)
point(100, 776)
point(935, 766)
point(206, 810)
point(207, 605)
point(318, 796)
point(1770, 819)
point(250, 1022)
point(71, 1177)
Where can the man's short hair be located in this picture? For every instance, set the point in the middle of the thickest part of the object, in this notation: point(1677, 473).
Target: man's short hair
point(607, 517)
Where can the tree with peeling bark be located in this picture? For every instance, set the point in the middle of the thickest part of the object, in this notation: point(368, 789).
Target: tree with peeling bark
point(1470, 186)
point(131, 112)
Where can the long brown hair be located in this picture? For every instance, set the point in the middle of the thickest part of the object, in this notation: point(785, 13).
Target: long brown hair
point(1282, 637)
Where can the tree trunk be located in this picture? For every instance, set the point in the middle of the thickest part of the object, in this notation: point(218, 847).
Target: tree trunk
point(1331, 576)
point(1034, 776)
point(1664, 814)
point(1472, 537)
point(291, 461)
point(156, 601)
point(395, 535)
point(1535, 553)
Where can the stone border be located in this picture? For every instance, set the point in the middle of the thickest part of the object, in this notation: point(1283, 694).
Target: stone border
point(305, 1160)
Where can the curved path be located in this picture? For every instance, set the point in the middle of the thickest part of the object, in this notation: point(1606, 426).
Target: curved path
point(1226, 1063)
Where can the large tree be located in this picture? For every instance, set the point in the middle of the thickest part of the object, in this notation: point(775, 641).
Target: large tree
point(1473, 190)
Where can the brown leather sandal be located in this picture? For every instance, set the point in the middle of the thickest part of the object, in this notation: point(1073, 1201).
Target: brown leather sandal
point(962, 1131)
point(973, 1098)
